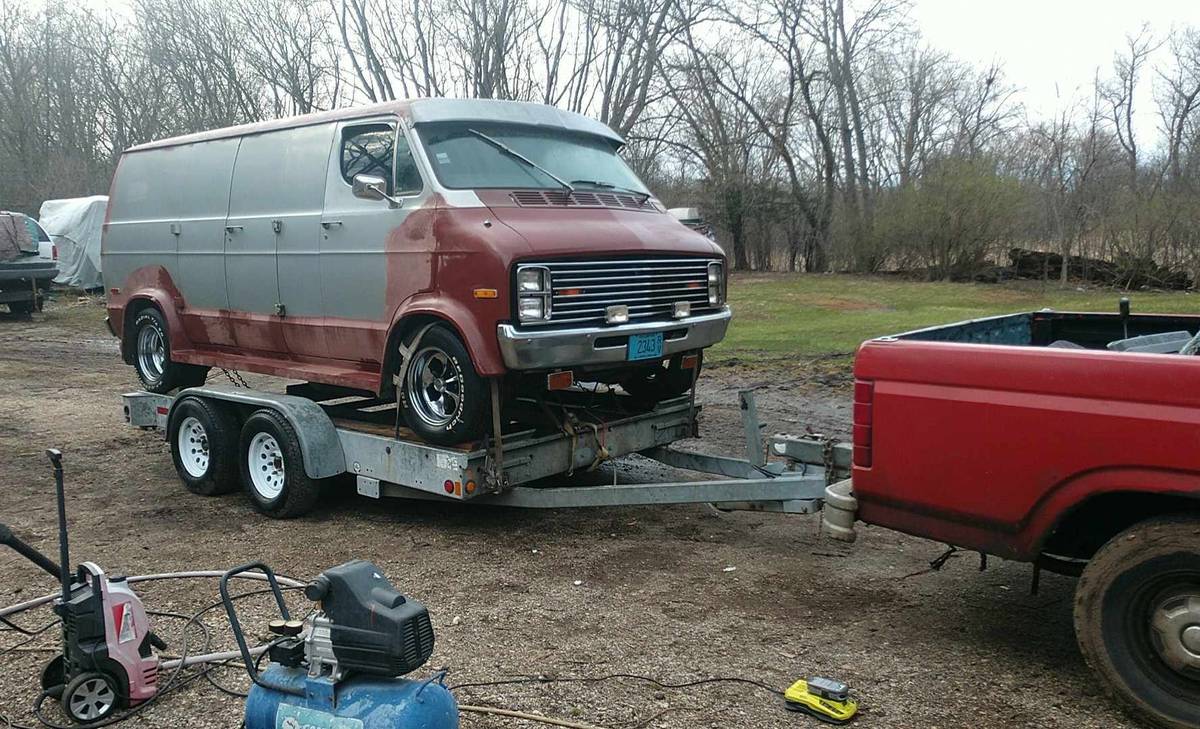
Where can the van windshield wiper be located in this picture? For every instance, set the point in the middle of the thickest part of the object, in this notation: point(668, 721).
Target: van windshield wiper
point(644, 196)
point(518, 156)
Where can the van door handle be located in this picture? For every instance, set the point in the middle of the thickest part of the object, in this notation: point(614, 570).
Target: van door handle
point(327, 224)
point(233, 228)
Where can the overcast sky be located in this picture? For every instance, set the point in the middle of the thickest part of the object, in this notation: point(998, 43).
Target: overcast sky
point(1051, 49)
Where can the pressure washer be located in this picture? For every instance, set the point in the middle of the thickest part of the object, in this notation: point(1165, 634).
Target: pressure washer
point(107, 660)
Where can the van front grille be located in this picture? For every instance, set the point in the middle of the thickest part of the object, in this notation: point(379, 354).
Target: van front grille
point(582, 291)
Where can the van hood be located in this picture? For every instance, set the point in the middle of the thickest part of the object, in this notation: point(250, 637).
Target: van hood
point(556, 230)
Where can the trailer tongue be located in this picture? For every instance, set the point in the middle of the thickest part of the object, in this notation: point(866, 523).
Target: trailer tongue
point(530, 467)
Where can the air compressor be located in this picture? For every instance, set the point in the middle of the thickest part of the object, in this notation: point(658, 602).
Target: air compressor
point(341, 667)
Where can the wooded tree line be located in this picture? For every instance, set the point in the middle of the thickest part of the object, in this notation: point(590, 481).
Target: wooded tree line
point(814, 134)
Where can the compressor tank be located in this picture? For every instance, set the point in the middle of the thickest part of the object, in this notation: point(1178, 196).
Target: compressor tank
point(358, 702)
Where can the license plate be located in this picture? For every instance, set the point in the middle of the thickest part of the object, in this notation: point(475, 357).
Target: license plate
point(645, 346)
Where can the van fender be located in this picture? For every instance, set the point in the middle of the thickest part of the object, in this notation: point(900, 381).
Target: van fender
point(1072, 492)
point(153, 284)
point(320, 444)
point(477, 332)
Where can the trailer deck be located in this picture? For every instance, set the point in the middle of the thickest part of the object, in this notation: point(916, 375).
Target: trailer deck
point(531, 464)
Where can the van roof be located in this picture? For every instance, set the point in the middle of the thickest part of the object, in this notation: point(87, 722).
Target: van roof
point(419, 111)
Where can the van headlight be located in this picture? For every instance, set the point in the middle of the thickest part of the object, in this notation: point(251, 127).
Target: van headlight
point(533, 294)
point(716, 283)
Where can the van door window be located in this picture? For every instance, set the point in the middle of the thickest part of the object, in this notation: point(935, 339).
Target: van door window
point(368, 149)
point(408, 178)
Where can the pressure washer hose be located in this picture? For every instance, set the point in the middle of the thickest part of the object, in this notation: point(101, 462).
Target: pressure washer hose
point(194, 574)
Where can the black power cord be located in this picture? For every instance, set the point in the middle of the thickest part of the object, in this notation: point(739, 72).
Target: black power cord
point(615, 676)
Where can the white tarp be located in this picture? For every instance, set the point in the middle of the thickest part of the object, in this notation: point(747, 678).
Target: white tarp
point(75, 225)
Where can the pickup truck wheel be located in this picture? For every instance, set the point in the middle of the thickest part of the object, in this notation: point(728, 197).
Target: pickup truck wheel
point(204, 438)
point(445, 401)
point(152, 356)
point(662, 382)
point(1137, 619)
point(273, 467)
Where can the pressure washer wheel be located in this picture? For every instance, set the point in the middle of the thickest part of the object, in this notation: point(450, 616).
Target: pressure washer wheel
point(90, 697)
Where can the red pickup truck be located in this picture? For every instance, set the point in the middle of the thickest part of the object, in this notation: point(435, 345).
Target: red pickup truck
point(1034, 437)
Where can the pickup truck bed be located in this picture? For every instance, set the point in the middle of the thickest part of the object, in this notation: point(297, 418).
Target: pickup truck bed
point(1026, 437)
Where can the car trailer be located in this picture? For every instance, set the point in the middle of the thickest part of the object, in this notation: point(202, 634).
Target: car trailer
point(339, 433)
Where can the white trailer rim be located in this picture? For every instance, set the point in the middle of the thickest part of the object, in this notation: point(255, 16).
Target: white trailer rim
point(192, 445)
point(266, 466)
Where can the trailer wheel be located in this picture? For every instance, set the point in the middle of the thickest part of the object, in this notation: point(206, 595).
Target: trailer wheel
point(90, 697)
point(152, 356)
point(204, 438)
point(273, 467)
point(1137, 619)
point(662, 382)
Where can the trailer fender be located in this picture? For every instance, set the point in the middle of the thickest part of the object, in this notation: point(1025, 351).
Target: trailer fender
point(319, 441)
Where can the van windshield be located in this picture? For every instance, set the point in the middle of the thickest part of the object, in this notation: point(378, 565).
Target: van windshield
point(467, 156)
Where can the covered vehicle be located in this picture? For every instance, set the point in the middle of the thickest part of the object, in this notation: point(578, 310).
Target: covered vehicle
point(76, 225)
point(24, 273)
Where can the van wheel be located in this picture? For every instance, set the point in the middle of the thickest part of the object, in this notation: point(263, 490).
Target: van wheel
point(152, 356)
point(204, 438)
point(1137, 619)
point(662, 381)
point(445, 401)
point(273, 467)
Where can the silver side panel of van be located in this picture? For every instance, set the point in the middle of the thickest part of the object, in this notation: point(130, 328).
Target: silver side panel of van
point(168, 209)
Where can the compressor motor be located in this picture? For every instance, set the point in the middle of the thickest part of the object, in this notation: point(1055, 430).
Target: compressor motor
point(341, 667)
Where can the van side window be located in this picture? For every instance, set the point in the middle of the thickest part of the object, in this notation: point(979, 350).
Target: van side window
point(408, 178)
point(367, 150)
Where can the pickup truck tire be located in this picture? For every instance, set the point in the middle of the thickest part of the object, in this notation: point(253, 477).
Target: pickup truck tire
point(445, 400)
point(272, 466)
point(1137, 619)
point(649, 385)
point(151, 349)
point(204, 439)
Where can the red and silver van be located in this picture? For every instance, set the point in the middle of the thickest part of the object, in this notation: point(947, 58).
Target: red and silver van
point(428, 248)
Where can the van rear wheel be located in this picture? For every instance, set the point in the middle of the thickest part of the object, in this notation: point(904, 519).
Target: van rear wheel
point(152, 356)
point(1137, 619)
point(445, 400)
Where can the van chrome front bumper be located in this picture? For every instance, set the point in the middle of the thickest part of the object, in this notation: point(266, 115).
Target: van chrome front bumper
point(537, 349)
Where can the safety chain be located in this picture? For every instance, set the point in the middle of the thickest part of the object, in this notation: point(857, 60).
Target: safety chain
point(236, 378)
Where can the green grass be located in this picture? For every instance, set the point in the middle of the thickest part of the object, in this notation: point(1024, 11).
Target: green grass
point(785, 319)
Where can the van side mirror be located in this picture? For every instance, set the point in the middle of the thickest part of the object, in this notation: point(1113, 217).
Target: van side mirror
point(372, 187)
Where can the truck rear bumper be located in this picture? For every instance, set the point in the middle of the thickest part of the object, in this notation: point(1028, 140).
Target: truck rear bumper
point(554, 348)
point(25, 272)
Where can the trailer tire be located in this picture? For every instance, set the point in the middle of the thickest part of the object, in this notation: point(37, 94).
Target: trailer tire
point(204, 437)
point(151, 348)
point(1137, 620)
point(272, 466)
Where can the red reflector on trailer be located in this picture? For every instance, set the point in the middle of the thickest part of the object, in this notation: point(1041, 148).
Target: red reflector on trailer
point(161, 410)
point(449, 486)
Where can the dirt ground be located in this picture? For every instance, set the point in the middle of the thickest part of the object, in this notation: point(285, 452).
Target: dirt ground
point(582, 593)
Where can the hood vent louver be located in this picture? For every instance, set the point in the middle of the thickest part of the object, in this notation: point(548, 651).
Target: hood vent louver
point(579, 199)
